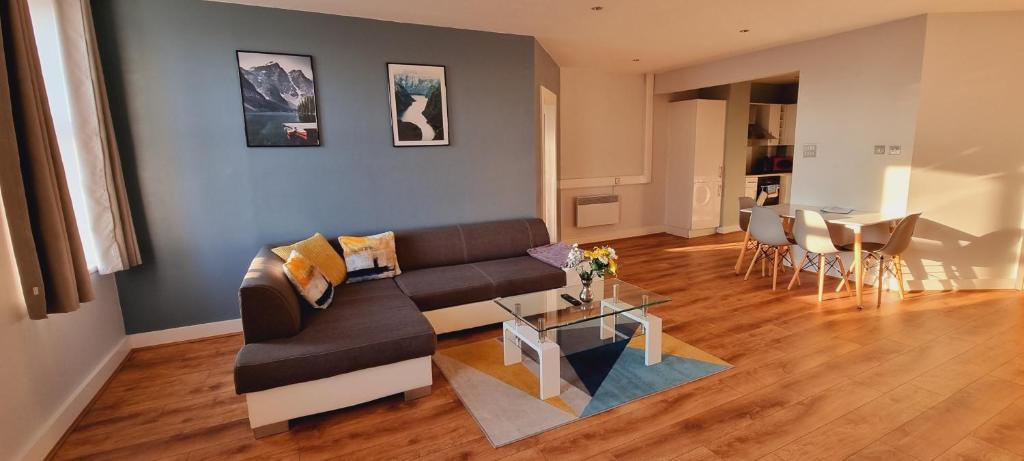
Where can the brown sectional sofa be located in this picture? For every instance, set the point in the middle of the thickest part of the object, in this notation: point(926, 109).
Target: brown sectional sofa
point(372, 325)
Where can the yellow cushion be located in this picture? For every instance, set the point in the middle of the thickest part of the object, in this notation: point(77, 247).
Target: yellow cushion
point(319, 251)
point(371, 257)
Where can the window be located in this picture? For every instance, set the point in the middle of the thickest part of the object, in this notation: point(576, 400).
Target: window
point(44, 22)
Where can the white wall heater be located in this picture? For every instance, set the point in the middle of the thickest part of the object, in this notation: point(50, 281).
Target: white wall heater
point(597, 210)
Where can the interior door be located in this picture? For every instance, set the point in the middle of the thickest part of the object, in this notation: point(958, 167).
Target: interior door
point(549, 161)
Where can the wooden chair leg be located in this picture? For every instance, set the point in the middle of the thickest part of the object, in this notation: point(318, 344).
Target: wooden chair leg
point(775, 269)
point(853, 267)
point(845, 276)
point(821, 277)
point(898, 263)
point(796, 272)
point(799, 269)
point(757, 253)
point(763, 262)
point(879, 272)
point(881, 280)
point(743, 251)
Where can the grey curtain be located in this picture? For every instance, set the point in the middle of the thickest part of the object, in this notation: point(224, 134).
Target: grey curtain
point(47, 247)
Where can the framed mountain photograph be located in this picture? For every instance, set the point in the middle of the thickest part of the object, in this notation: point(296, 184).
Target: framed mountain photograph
point(419, 105)
point(278, 99)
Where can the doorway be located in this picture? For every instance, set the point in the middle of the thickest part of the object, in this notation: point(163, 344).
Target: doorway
point(549, 161)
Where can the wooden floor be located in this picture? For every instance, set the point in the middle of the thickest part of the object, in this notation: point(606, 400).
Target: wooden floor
point(940, 375)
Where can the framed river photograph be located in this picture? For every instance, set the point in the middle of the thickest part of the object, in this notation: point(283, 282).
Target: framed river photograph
point(278, 99)
point(419, 105)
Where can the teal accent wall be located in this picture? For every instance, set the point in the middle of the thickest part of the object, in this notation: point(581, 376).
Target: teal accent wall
point(204, 202)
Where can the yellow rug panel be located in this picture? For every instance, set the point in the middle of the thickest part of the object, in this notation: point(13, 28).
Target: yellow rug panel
point(488, 357)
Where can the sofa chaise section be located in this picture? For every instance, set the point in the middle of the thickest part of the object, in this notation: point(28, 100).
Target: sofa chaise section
point(371, 342)
point(361, 333)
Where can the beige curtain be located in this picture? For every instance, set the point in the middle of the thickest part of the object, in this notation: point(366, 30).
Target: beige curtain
point(106, 202)
point(47, 247)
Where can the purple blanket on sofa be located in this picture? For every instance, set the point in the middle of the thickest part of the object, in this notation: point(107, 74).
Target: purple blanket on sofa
point(554, 254)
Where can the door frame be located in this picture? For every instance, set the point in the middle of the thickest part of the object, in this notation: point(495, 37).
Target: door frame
point(549, 161)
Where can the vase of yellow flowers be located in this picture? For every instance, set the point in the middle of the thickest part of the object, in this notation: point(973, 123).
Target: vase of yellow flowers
point(598, 262)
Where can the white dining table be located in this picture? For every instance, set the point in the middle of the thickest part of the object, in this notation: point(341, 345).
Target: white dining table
point(855, 221)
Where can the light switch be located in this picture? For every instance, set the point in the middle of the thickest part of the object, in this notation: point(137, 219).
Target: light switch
point(879, 149)
point(810, 150)
point(894, 149)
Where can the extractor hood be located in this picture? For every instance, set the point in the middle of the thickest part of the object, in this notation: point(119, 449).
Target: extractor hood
point(755, 131)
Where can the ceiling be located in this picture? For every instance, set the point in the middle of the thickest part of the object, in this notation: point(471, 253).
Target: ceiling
point(783, 79)
point(662, 34)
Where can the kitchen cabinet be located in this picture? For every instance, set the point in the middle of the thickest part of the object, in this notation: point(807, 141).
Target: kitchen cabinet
point(777, 121)
point(695, 152)
point(750, 188)
point(787, 125)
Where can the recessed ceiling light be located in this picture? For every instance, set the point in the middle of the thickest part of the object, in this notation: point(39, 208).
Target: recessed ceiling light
point(743, 31)
point(597, 8)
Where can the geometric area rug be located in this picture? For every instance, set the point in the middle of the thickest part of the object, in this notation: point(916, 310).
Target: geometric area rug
point(596, 376)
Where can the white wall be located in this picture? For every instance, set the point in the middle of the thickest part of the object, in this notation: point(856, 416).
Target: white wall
point(602, 124)
point(857, 89)
point(602, 135)
point(51, 368)
point(968, 169)
point(945, 87)
point(47, 363)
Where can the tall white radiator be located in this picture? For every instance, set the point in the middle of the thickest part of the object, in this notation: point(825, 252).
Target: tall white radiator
point(597, 210)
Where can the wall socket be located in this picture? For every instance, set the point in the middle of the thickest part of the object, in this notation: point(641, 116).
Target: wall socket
point(895, 149)
point(810, 150)
point(879, 149)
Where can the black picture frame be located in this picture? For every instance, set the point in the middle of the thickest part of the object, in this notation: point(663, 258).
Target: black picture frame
point(394, 117)
point(247, 114)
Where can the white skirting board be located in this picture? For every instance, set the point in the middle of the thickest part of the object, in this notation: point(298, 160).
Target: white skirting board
point(47, 437)
point(689, 233)
point(599, 236)
point(960, 284)
point(173, 335)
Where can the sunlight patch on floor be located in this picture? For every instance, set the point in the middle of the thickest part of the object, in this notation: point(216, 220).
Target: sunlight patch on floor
point(715, 247)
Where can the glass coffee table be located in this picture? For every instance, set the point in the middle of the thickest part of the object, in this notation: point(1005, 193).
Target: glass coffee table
point(536, 317)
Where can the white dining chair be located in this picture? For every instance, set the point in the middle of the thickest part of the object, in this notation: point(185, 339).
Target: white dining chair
point(748, 242)
point(772, 241)
point(813, 235)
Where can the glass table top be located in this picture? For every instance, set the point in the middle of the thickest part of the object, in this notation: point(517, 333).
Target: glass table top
point(547, 310)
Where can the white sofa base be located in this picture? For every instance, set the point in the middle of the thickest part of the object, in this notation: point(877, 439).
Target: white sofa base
point(466, 316)
point(270, 410)
point(478, 314)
